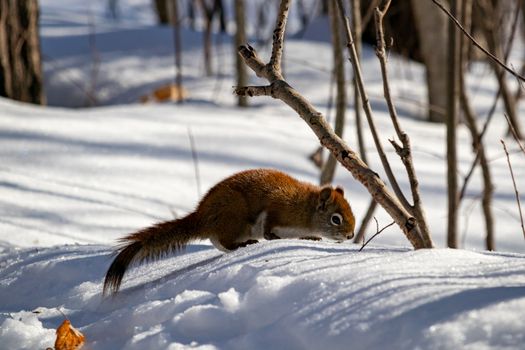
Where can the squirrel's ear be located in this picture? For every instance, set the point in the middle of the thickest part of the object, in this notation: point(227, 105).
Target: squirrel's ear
point(324, 196)
point(340, 190)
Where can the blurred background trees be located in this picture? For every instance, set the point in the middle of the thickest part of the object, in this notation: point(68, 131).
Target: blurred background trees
point(20, 63)
point(415, 29)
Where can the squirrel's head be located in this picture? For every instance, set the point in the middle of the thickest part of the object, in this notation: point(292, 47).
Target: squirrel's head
point(334, 216)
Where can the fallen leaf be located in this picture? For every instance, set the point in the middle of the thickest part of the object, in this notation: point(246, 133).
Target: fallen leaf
point(68, 337)
point(168, 92)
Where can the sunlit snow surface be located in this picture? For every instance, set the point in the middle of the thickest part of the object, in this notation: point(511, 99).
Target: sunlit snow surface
point(280, 294)
point(72, 181)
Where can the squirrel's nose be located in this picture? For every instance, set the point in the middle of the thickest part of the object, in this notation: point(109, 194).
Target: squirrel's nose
point(350, 235)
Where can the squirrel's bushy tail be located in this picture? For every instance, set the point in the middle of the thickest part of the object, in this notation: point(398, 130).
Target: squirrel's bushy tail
point(149, 244)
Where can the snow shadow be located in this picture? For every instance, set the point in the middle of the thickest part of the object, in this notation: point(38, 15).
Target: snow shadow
point(401, 329)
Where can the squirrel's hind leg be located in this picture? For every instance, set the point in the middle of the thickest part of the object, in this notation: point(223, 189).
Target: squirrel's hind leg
point(237, 245)
point(232, 231)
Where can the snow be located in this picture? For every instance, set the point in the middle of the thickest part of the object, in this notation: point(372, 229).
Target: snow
point(283, 294)
point(72, 181)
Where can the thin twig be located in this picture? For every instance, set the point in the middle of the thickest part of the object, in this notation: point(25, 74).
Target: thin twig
point(479, 150)
point(466, 214)
point(478, 45)
point(88, 94)
point(377, 233)
point(195, 162)
point(63, 314)
point(515, 188)
point(513, 132)
point(480, 140)
point(488, 10)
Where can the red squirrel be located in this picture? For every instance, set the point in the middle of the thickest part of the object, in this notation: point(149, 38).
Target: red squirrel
point(240, 210)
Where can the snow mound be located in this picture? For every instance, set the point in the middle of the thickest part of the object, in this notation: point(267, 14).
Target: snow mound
point(279, 294)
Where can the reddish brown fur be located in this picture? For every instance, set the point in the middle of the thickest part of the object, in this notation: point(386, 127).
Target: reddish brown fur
point(239, 210)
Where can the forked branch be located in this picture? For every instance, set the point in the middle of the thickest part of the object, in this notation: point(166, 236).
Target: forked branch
point(368, 109)
point(404, 150)
point(378, 232)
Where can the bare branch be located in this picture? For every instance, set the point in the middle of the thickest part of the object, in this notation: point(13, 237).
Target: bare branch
point(403, 152)
point(515, 188)
point(478, 156)
point(368, 109)
point(254, 62)
point(253, 90)
point(478, 45)
point(278, 37)
point(479, 149)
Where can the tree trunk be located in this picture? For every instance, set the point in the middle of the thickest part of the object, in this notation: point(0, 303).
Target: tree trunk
point(20, 66)
point(209, 13)
point(328, 171)
point(356, 31)
point(324, 7)
point(218, 8)
point(432, 31)
point(161, 8)
point(207, 46)
point(177, 46)
point(191, 14)
point(454, 64)
point(113, 8)
point(240, 39)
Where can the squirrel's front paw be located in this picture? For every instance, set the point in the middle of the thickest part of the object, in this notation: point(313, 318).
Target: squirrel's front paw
point(248, 242)
point(311, 238)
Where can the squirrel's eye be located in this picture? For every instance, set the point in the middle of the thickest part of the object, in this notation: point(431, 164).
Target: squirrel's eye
point(336, 219)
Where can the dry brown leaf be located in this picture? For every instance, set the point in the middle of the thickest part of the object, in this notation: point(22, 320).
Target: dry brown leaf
point(166, 93)
point(68, 337)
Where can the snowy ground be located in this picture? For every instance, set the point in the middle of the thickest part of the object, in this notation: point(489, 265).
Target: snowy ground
point(279, 295)
point(74, 180)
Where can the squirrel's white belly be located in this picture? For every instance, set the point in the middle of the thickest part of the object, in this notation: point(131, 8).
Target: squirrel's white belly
point(256, 232)
point(295, 232)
